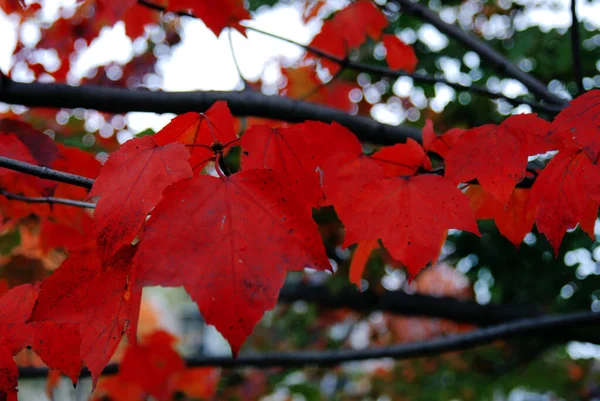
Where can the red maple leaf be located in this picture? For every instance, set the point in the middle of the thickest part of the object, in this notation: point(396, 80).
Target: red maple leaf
point(205, 133)
point(216, 15)
point(562, 193)
point(410, 216)
point(284, 150)
point(514, 220)
point(399, 55)
point(577, 125)
point(43, 149)
point(403, 159)
point(234, 238)
point(130, 185)
point(440, 144)
point(9, 375)
point(151, 363)
point(55, 343)
point(98, 297)
point(13, 148)
point(348, 30)
point(496, 155)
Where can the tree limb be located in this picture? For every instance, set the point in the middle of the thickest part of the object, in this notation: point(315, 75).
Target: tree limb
point(117, 100)
point(432, 347)
point(496, 60)
point(399, 302)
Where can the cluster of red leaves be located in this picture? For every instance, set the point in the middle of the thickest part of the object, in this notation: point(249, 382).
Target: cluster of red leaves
point(229, 239)
point(350, 27)
point(347, 30)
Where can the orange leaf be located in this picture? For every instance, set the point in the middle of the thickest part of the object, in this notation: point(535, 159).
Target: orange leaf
point(360, 259)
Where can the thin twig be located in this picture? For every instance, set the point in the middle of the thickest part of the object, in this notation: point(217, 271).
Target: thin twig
point(45, 172)
point(47, 199)
point(576, 48)
point(431, 347)
point(235, 60)
point(496, 60)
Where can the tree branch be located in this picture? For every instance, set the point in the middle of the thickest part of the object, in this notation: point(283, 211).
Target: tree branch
point(433, 347)
point(47, 199)
point(117, 100)
point(576, 48)
point(400, 302)
point(496, 60)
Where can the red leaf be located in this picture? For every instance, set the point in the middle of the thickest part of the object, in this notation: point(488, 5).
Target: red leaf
point(58, 345)
point(41, 146)
point(410, 216)
point(98, 297)
point(497, 155)
point(215, 14)
point(151, 364)
point(400, 56)
point(403, 159)
point(56, 235)
point(577, 125)
point(53, 342)
point(360, 259)
point(284, 151)
point(9, 375)
point(234, 239)
point(514, 220)
point(321, 136)
point(12, 147)
point(348, 30)
point(131, 184)
point(15, 308)
point(440, 144)
point(200, 129)
point(588, 221)
point(562, 193)
point(76, 161)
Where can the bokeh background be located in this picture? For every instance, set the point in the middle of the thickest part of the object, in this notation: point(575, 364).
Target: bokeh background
point(61, 41)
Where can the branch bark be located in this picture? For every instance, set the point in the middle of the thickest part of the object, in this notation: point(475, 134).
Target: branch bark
point(327, 358)
point(496, 60)
point(117, 100)
point(399, 302)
